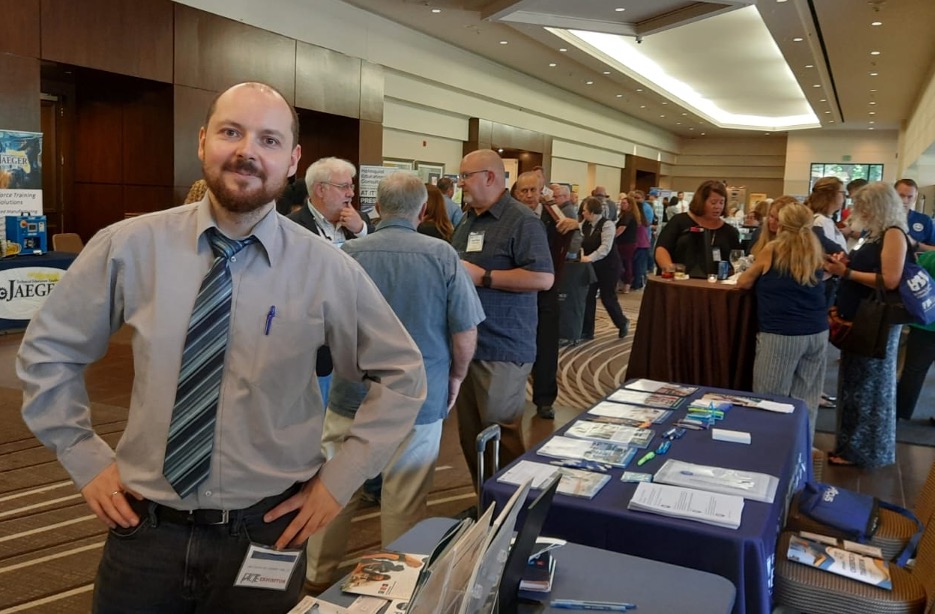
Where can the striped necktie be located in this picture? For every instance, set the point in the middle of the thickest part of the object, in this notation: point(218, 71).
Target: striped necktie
point(191, 431)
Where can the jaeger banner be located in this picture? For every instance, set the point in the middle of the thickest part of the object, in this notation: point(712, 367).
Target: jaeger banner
point(20, 172)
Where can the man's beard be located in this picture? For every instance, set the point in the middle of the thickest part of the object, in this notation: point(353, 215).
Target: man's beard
point(242, 200)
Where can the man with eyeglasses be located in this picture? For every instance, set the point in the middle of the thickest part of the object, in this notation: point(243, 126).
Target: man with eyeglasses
point(921, 229)
point(330, 212)
point(504, 248)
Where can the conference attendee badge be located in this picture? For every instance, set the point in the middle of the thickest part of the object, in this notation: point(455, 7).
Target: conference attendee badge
point(475, 242)
point(716, 254)
point(267, 568)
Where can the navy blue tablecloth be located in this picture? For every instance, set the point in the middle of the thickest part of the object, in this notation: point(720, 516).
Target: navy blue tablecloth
point(30, 290)
point(745, 556)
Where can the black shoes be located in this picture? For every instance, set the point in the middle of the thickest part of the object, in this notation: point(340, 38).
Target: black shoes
point(545, 412)
point(624, 331)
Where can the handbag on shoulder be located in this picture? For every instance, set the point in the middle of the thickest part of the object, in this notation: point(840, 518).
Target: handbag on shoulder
point(868, 334)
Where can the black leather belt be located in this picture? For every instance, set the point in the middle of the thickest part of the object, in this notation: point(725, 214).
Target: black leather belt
point(200, 517)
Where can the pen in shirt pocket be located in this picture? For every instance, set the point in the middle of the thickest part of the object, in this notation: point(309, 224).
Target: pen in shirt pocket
point(269, 318)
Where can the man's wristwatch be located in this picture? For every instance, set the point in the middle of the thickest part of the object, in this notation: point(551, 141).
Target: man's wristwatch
point(486, 281)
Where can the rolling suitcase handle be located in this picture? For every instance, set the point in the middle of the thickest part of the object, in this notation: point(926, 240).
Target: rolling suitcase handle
point(492, 432)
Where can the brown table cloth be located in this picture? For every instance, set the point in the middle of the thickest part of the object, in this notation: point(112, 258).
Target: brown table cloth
point(695, 332)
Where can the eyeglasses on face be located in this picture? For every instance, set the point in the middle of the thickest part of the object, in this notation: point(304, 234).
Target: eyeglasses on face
point(464, 176)
point(344, 187)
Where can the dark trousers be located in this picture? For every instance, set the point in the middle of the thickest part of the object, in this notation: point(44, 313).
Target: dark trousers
point(545, 369)
point(920, 353)
point(640, 264)
point(627, 251)
point(607, 274)
point(165, 567)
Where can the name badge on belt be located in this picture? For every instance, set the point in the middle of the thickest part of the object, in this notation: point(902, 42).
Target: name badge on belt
point(475, 242)
point(267, 568)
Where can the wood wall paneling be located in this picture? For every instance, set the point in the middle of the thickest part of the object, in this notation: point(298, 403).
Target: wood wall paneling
point(191, 106)
point(372, 87)
point(19, 93)
point(146, 198)
point(214, 53)
point(323, 135)
point(98, 205)
point(19, 27)
point(327, 81)
point(128, 37)
point(147, 137)
point(371, 143)
point(98, 141)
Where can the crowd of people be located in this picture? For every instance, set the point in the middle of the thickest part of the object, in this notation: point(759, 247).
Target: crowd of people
point(248, 325)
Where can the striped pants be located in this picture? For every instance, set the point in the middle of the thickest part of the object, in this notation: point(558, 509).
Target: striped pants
point(793, 366)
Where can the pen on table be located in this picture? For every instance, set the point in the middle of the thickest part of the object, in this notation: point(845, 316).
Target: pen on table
point(269, 318)
point(606, 606)
point(646, 458)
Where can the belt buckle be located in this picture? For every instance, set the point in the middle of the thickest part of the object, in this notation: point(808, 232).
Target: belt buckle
point(225, 516)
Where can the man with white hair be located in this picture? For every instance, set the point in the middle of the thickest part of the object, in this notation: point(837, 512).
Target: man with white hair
point(329, 212)
point(430, 292)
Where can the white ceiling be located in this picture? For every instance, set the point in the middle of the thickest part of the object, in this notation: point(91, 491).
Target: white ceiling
point(719, 53)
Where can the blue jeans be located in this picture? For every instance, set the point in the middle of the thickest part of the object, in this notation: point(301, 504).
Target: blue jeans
point(165, 567)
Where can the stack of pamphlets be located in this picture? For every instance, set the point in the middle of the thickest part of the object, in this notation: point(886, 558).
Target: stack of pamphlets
point(651, 399)
point(386, 574)
point(841, 562)
point(745, 401)
point(636, 413)
point(707, 507)
point(575, 482)
point(649, 385)
point(747, 484)
point(614, 454)
point(600, 431)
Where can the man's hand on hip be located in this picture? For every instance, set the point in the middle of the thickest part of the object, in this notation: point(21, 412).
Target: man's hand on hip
point(316, 509)
point(106, 495)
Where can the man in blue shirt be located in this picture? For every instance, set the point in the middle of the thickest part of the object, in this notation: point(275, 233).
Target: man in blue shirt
point(921, 229)
point(447, 187)
point(504, 249)
point(430, 292)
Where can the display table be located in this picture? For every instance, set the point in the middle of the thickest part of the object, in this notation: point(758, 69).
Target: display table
point(697, 332)
point(596, 575)
point(780, 447)
point(25, 282)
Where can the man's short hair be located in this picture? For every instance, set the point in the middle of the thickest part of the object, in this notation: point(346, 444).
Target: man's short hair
point(260, 86)
point(321, 171)
point(855, 185)
point(401, 195)
point(444, 184)
point(908, 182)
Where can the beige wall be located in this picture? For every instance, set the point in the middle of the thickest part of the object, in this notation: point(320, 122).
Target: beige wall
point(571, 171)
point(863, 147)
point(411, 146)
point(756, 163)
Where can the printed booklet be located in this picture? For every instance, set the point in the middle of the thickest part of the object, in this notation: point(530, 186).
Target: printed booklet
point(574, 482)
point(649, 385)
point(841, 562)
point(599, 431)
point(614, 454)
point(625, 411)
point(651, 399)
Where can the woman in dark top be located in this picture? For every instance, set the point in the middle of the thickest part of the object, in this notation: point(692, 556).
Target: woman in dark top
point(678, 242)
point(597, 244)
point(793, 319)
point(629, 218)
point(436, 222)
point(866, 434)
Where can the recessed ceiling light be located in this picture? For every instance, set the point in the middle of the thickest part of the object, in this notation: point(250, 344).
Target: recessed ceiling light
point(664, 102)
point(780, 1)
point(642, 106)
point(830, 121)
point(874, 53)
point(619, 95)
point(552, 64)
point(827, 112)
point(870, 128)
point(589, 82)
point(639, 89)
point(817, 85)
point(662, 116)
point(678, 123)
point(691, 128)
point(872, 113)
point(606, 72)
point(809, 66)
point(823, 100)
point(872, 122)
point(504, 42)
point(684, 114)
point(766, 133)
point(874, 74)
point(436, 10)
point(797, 39)
point(563, 50)
point(620, 9)
point(872, 102)
point(702, 134)
point(873, 90)
point(876, 23)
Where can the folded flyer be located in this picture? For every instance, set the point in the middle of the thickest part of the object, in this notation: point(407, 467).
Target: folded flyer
point(574, 482)
point(600, 431)
point(698, 505)
point(851, 565)
point(649, 385)
point(630, 412)
point(747, 484)
point(614, 454)
point(745, 401)
point(387, 574)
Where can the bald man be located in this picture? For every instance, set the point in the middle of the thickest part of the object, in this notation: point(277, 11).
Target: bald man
point(504, 249)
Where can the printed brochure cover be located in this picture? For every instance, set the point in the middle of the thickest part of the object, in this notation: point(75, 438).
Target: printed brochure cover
point(841, 562)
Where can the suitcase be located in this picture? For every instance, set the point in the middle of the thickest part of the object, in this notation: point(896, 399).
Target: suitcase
point(489, 434)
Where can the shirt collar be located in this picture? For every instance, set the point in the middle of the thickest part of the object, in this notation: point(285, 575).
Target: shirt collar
point(496, 209)
point(396, 222)
point(266, 230)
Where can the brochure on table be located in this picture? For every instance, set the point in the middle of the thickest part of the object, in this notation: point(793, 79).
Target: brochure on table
point(851, 565)
point(630, 412)
point(745, 401)
point(747, 484)
point(574, 482)
point(599, 431)
point(651, 399)
point(649, 385)
point(701, 506)
point(613, 454)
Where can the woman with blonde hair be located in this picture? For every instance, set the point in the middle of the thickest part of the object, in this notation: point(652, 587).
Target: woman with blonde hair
point(866, 434)
point(436, 222)
point(768, 230)
point(827, 198)
point(793, 319)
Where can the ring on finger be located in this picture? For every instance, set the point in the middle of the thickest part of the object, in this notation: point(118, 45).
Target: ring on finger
point(115, 493)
